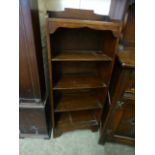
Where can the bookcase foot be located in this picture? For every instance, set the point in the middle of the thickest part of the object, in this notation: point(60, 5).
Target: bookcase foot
point(94, 129)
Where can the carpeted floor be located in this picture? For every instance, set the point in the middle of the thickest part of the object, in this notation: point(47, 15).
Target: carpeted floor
point(72, 143)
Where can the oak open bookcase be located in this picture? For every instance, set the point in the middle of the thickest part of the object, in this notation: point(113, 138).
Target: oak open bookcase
point(81, 52)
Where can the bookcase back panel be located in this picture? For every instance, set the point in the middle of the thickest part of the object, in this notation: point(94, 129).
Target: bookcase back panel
point(97, 93)
point(76, 68)
point(99, 70)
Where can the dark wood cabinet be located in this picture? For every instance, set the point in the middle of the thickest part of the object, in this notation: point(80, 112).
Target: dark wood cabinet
point(81, 52)
point(118, 120)
point(31, 72)
point(119, 125)
point(32, 91)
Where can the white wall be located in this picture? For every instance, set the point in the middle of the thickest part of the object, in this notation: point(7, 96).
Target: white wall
point(99, 6)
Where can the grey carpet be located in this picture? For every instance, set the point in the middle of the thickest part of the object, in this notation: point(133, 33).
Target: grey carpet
point(72, 143)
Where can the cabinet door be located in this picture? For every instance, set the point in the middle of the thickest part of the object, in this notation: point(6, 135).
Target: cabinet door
point(122, 125)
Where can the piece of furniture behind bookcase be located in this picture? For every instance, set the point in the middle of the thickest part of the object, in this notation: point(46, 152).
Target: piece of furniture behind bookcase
point(33, 99)
point(119, 113)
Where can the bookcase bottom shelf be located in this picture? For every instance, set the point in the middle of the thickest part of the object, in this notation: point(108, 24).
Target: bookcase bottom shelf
point(75, 120)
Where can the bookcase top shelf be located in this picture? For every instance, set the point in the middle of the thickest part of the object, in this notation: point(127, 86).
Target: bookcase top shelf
point(74, 18)
point(81, 56)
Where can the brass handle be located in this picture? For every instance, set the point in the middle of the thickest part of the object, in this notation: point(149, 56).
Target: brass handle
point(120, 103)
point(132, 122)
point(99, 103)
point(109, 99)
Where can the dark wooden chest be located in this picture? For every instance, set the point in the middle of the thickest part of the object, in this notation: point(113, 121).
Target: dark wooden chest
point(119, 123)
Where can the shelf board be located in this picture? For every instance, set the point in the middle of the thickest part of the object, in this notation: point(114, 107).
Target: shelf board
point(76, 102)
point(78, 82)
point(74, 120)
point(81, 56)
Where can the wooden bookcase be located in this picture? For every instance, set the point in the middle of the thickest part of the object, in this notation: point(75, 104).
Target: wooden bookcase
point(81, 52)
